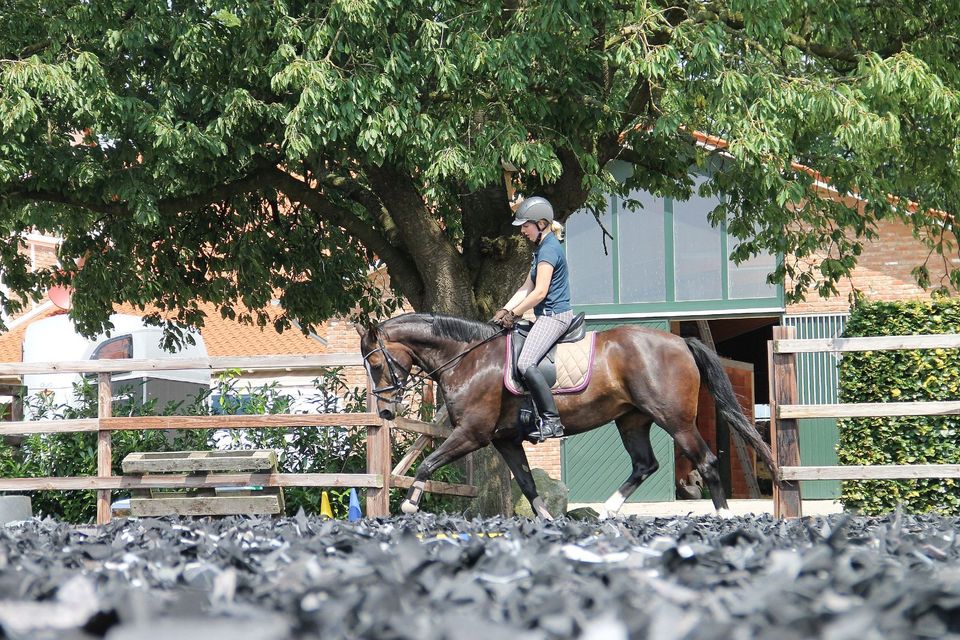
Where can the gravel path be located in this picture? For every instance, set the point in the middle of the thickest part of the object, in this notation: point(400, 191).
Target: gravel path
point(427, 577)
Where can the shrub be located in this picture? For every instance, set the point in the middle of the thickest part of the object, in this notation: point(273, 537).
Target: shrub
point(901, 376)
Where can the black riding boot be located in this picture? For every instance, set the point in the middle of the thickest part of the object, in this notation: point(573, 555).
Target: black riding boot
point(550, 426)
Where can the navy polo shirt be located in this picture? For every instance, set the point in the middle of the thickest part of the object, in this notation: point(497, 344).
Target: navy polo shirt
point(558, 295)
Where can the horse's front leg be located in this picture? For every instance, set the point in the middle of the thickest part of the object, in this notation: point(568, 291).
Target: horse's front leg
point(457, 445)
point(516, 459)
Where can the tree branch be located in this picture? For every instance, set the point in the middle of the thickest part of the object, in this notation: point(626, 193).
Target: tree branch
point(567, 194)
point(399, 263)
point(653, 165)
point(166, 206)
point(417, 227)
point(437, 258)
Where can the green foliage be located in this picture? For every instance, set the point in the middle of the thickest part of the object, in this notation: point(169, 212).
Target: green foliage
point(305, 450)
point(901, 376)
point(75, 454)
point(231, 150)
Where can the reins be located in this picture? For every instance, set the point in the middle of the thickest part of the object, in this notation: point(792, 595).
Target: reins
point(396, 385)
point(464, 353)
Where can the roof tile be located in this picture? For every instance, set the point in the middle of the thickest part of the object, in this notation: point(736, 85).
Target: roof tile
point(222, 337)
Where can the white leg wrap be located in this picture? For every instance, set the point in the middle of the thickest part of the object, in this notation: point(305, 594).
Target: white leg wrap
point(612, 506)
point(541, 509)
point(726, 514)
point(411, 504)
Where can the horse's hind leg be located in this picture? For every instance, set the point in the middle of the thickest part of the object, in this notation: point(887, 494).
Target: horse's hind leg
point(634, 430)
point(453, 448)
point(516, 459)
point(693, 446)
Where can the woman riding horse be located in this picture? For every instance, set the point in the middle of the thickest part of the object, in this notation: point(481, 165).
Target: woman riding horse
point(640, 376)
point(546, 291)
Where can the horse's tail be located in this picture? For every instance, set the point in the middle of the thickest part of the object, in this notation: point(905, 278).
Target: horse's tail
point(711, 370)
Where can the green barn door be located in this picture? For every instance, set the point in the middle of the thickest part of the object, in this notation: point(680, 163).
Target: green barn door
point(595, 464)
point(817, 384)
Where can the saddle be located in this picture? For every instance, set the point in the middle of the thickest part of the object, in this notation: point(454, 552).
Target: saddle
point(566, 367)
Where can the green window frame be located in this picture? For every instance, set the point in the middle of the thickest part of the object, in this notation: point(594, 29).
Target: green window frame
point(670, 303)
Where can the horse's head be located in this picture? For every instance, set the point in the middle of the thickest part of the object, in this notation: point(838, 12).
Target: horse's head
point(388, 363)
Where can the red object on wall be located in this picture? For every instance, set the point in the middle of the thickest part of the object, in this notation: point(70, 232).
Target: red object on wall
point(61, 296)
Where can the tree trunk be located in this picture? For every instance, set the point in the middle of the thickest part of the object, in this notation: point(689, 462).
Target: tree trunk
point(493, 485)
point(440, 296)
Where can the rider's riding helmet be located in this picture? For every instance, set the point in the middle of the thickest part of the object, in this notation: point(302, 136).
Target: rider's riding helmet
point(532, 210)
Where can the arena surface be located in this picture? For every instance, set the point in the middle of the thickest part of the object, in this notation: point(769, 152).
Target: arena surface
point(425, 577)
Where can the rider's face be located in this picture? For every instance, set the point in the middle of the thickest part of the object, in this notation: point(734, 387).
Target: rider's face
point(529, 230)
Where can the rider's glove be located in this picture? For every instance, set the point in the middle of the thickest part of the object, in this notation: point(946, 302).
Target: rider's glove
point(504, 318)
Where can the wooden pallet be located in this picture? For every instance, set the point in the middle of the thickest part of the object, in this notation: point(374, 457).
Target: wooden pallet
point(213, 501)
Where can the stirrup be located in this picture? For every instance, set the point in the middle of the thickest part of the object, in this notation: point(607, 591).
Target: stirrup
point(556, 432)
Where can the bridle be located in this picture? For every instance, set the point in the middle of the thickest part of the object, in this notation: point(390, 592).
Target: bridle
point(398, 383)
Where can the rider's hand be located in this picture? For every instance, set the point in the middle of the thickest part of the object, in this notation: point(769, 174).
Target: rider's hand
point(503, 318)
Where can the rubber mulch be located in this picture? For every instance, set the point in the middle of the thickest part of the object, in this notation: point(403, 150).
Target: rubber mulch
point(430, 577)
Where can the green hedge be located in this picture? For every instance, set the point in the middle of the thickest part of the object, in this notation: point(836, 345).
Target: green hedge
point(901, 376)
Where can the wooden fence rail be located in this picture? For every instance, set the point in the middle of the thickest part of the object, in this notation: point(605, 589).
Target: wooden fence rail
point(380, 476)
point(785, 411)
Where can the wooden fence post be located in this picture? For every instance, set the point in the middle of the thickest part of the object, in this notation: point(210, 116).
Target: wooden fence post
point(378, 460)
point(104, 446)
point(784, 434)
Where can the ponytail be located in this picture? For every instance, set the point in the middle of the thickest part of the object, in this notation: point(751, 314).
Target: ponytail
point(554, 227)
point(557, 229)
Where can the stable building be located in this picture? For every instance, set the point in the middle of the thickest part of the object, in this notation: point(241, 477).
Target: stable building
point(667, 267)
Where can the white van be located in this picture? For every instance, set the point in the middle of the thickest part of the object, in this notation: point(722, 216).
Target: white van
point(55, 340)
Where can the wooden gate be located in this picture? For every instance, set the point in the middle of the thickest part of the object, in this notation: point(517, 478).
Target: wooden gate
point(785, 412)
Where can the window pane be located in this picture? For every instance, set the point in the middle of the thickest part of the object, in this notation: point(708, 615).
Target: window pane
point(591, 270)
point(697, 258)
point(119, 348)
point(749, 278)
point(641, 250)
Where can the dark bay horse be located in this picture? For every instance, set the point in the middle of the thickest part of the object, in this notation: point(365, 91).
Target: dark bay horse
point(640, 376)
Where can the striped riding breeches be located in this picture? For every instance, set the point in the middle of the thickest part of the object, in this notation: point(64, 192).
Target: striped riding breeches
point(544, 333)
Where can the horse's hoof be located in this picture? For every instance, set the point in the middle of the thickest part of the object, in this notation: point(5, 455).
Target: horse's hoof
point(409, 508)
point(540, 509)
point(611, 508)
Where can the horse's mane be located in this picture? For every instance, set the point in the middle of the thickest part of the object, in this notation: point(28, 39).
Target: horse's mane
point(459, 329)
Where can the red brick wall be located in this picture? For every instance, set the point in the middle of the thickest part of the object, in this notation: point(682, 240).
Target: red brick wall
point(546, 456)
point(342, 337)
point(42, 255)
point(883, 272)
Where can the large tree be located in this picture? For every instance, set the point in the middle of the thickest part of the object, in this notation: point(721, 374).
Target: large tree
point(224, 150)
point(228, 150)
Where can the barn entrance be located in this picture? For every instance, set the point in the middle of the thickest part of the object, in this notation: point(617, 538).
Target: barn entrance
point(594, 464)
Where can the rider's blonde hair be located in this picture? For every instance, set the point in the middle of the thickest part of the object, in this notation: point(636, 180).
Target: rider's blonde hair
point(556, 227)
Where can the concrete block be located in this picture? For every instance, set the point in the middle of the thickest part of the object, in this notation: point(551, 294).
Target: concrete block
point(14, 509)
